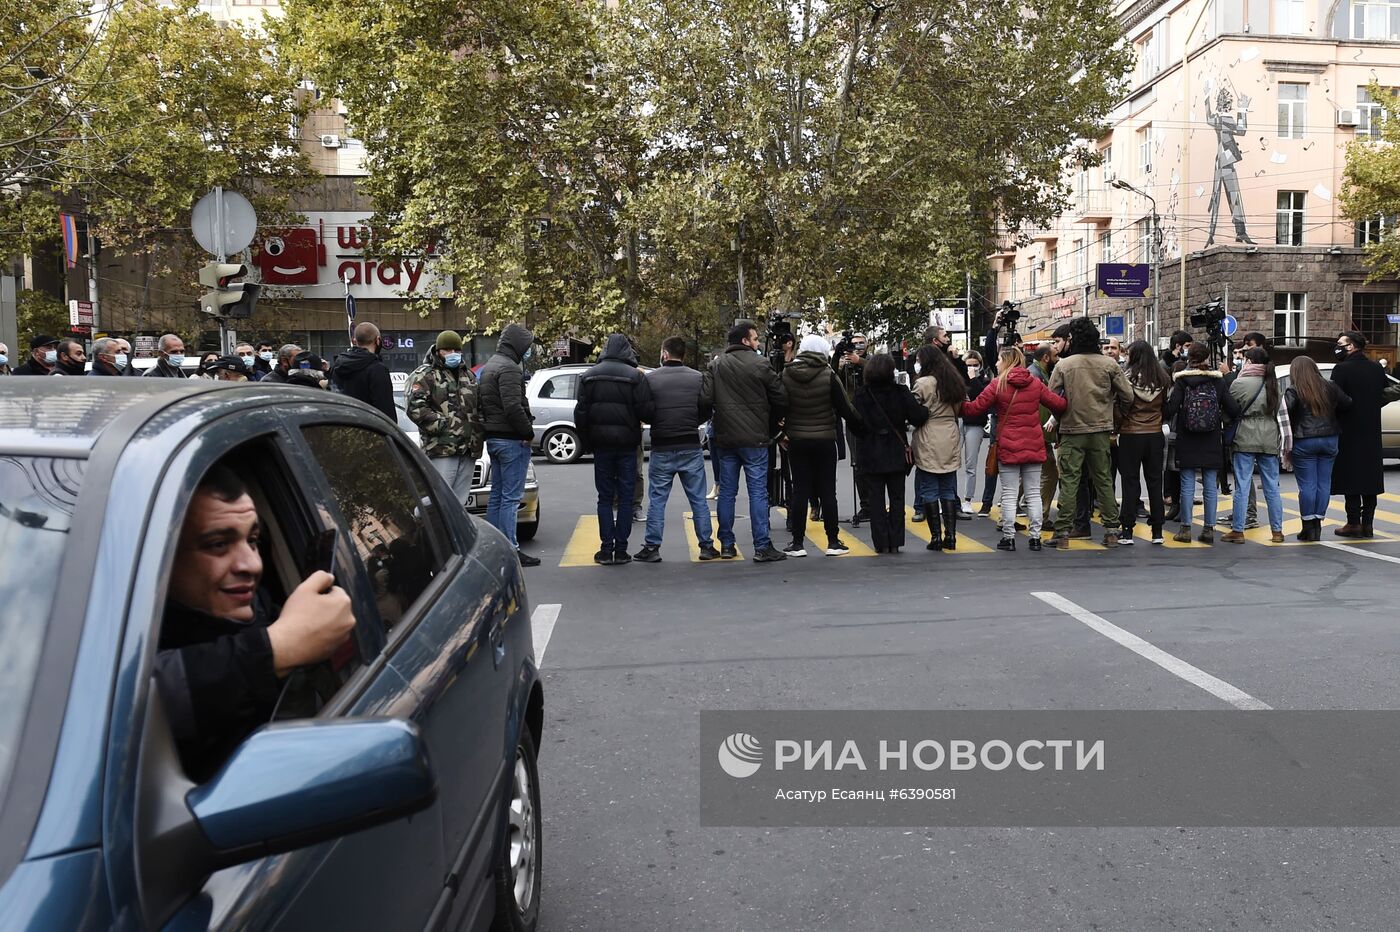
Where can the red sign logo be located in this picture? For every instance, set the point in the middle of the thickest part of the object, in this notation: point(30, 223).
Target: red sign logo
point(291, 257)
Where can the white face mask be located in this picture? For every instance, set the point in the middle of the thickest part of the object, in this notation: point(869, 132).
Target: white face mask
point(972, 371)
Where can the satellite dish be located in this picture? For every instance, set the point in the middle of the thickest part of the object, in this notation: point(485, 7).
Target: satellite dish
point(223, 222)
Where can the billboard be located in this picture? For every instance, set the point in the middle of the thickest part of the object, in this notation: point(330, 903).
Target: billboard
point(1124, 280)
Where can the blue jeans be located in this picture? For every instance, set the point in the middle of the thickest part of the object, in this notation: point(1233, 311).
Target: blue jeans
point(933, 487)
point(1210, 494)
point(1312, 467)
point(1244, 464)
point(754, 461)
point(665, 466)
point(509, 461)
point(615, 478)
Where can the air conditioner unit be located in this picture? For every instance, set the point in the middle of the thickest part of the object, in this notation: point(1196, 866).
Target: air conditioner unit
point(1147, 169)
point(330, 141)
point(1109, 176)
point(1347, 118)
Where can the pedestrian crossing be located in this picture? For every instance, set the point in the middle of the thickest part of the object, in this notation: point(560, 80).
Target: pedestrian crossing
point(977, 537)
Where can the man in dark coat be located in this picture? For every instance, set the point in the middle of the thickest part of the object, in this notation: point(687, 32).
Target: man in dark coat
point(1358, 472)
point(746, 395)
point(170, 363)
point(509, 430)
point(613, 399)
point(361, 374)
point(43, 355)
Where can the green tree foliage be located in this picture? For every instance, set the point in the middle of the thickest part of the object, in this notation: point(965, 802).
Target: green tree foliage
point(37, 313)
point(1371, 187)
point(598, 168)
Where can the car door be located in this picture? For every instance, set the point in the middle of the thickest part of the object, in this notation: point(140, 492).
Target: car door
point(387, 877)
point(557, 398)
point(441, 614)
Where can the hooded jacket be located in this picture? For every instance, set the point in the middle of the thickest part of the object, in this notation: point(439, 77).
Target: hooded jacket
point(746, 396)
point(1092, 384)
point(1142, 413)
point(613, 399)
point(443, 403)
point(675, 407)
point(1019, 437)
point(505, 413)
point(815, 398)
point(362, 375)
point(1258, 429)
point(1198, 449)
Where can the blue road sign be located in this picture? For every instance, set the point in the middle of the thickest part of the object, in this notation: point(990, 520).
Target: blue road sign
point(1231, 325)
point(1113, 326)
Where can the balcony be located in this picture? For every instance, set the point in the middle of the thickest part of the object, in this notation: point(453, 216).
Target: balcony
point(1093, 208)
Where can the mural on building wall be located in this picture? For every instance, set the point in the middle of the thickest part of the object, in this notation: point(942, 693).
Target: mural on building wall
point(1229, 125)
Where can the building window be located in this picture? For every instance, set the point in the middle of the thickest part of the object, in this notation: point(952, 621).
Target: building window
point(1289, 230)
point(1106, 246)
point(1034, 279)
point(1371, 231)
point(1292, 110)
point(1290, 315)
point(1144, 235)
point(1054, 270)
point(1144, 141)
point(1370, 316)
point(1289, 17)
point(1081, 260)
point(1370, 115)
point(1375, 20)
point(1152, 51)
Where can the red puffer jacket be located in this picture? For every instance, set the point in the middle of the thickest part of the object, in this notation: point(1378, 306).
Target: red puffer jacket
point(1019, 436)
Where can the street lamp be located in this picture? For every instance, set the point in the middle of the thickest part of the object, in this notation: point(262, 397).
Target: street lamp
point(1122, 185)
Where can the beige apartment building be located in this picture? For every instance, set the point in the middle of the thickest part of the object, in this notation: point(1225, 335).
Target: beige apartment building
point(1236, 125)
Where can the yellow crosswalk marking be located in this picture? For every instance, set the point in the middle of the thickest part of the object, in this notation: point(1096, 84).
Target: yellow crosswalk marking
point(694, 542)
point(965, 543)
point(1046, 533)
point(857, 546)
point(1144, 532)
point(1390, 498)
point(583, 544)
point(1390, 517)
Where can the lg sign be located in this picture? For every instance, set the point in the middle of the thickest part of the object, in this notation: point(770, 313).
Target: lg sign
point(331, 250)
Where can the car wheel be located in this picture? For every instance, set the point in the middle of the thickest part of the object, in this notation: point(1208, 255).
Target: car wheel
point(561, 445)
point(527, 531)
point(518, 874)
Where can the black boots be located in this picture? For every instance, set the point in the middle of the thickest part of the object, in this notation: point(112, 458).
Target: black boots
point(1312, 529)
point(931, 515)
point(950, 524)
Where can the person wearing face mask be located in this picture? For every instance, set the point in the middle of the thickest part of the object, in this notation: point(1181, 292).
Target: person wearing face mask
point(442, 401)
point(171, 361)
point(4, 360)
point(43, 356)
point(72, 360)
point(264, 356)
point(1179, 344)
point(1358, 472)
point(361, 374)
point(108, 358)
point(244, 351)
point(974, 431)
point(124, 349)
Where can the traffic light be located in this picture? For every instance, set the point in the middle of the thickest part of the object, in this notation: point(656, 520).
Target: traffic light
point(227, 298)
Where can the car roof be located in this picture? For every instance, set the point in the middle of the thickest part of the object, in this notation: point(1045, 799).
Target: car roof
point(48, 416)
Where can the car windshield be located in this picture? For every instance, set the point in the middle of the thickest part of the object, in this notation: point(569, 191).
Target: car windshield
point(37, 498)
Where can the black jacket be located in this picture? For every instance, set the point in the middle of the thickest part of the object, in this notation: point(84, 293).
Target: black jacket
point(261, 368)
point(1305, 423)
point(746, 396)
point(218, 683)
point(815, 399)
point(164, 370)
point(1359, 469)
point(675, 407)
point(974, 388)
point(505, 414)
point(362, 375)
point(277, 375)
point(31, 367)
point(1199, 449)
point(101, 368)
point(888, 411)
point(613, 398)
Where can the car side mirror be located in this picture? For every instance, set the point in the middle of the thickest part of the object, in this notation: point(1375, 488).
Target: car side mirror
point(297, 784)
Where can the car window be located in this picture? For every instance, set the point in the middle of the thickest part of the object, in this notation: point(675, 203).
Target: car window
point(37, 498)
point(560, 388)
point(390, 527)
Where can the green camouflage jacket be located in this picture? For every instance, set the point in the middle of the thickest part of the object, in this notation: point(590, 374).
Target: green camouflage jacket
point(442, 402)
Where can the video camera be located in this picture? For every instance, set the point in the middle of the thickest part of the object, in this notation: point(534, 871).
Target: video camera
point(779, 335)
point(1211, 318)
point(1006, 321)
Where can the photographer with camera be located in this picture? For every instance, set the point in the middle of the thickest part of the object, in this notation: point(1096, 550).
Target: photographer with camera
point(1003, 332)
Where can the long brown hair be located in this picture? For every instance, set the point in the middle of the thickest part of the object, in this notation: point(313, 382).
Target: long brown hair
point(1010, 358)
point(1310, 388)
point(934, 363)
point(1260, 356)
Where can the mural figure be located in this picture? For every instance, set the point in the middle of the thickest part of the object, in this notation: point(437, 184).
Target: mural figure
point(1227, 127)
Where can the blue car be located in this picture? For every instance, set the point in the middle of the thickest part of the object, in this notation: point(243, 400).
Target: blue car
point(394, 784)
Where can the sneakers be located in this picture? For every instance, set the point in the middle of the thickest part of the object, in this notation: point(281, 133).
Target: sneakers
point(648, 554)
point(713, 493)
point(1111, 539)
point(708, 552)
point(1157, 537)
point(1233, 537)
point(1034, 544)
point(622, 557)
point(603, 558)
point(728, 552)
point(769, 554)
point(639, 517)
point(918, 516)
point(1183, 536)
point(795, 549)
point(836, 548)
point(1125, 541)
point(525, 559)
point(1007, 543)
point(965, 509)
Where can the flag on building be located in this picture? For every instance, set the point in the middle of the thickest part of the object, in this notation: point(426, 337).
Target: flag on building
point(70, 239)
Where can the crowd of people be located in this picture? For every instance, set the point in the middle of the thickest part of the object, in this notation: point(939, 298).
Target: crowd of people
point(1078, 426)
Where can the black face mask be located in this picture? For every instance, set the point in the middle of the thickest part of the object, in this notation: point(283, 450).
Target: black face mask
point(1340, 352)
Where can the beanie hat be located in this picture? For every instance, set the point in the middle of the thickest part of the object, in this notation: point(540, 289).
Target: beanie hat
point(449, 340)
point(814, 344)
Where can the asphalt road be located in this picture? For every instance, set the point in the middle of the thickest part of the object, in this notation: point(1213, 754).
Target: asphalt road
point(638, 651)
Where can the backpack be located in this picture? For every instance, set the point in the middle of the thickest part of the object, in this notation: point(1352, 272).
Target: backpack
point(1202, 408)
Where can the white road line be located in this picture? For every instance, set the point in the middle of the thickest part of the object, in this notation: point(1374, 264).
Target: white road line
point(542, 624)
point(1194, 675)
point(1359, 552)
